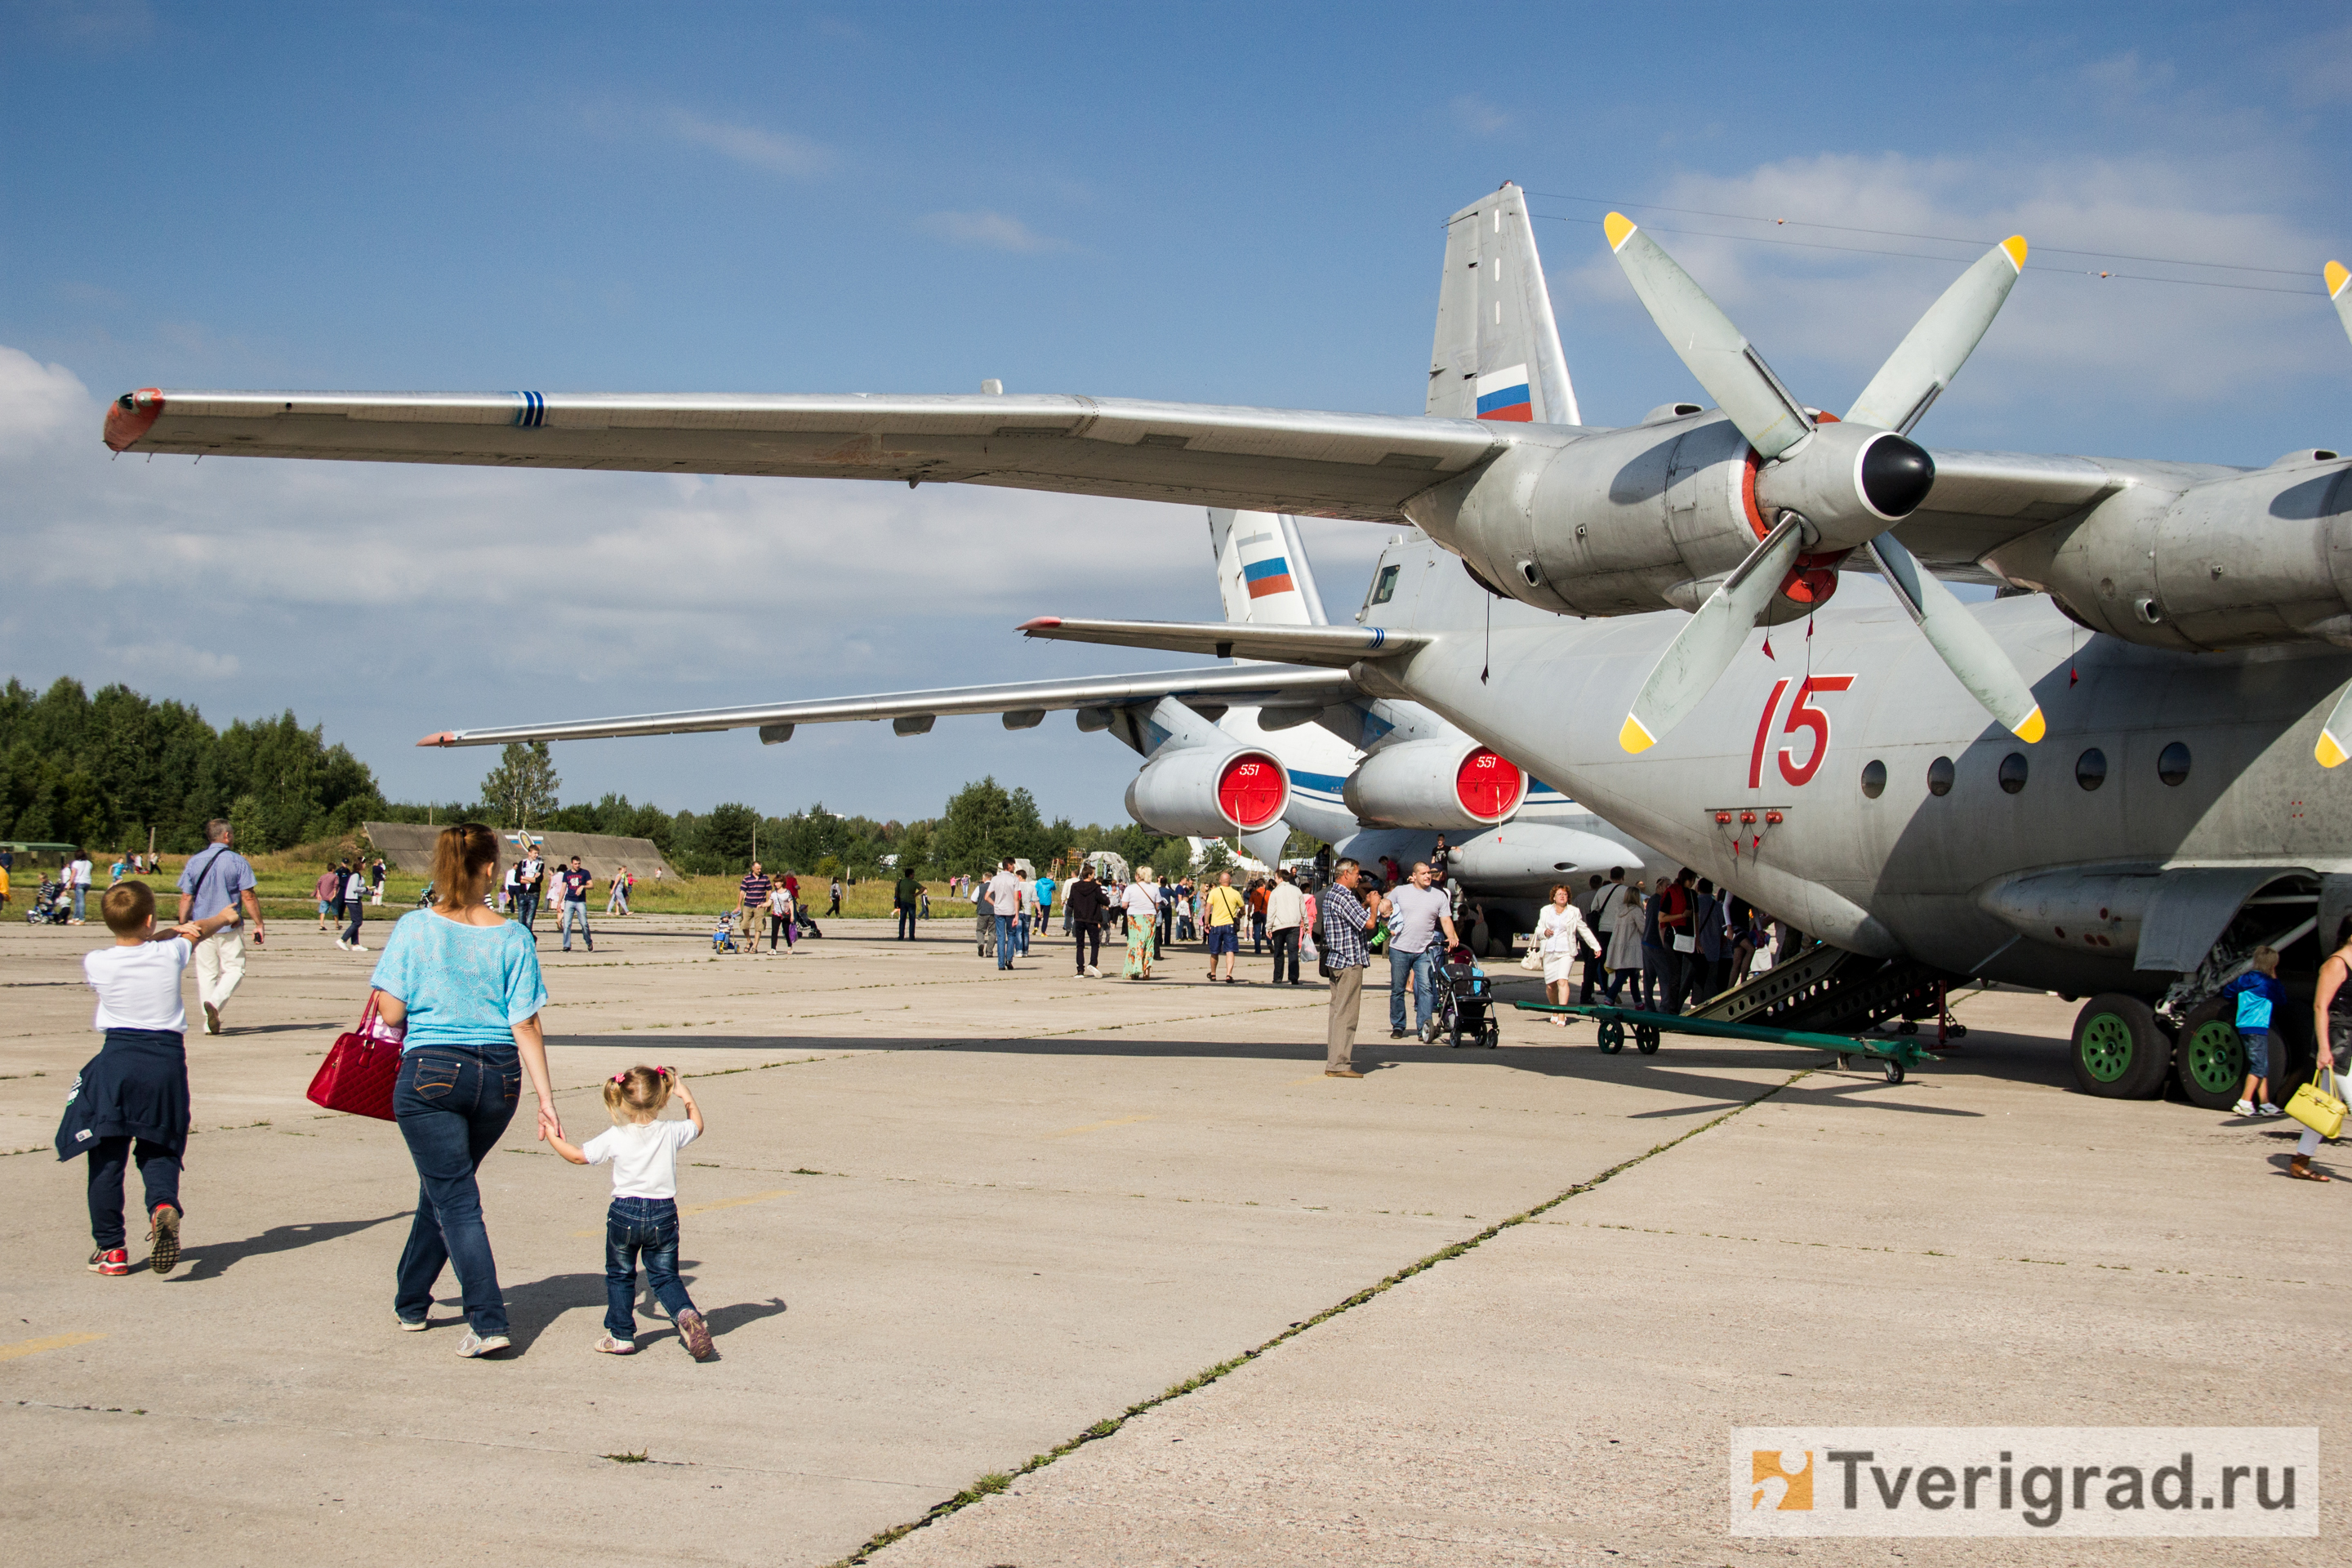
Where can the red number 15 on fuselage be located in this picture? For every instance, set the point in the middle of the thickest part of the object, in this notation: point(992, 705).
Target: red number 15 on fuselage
point(1802, 715)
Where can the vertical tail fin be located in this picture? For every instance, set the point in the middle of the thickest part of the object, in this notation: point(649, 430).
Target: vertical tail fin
point(1497, 352)
point(1263, 573)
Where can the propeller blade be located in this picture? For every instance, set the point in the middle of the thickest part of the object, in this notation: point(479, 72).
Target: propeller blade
point(1932, 353)
point(2337, 276)
point(1706, 647)
point(1967, 648)
point(2335, 735)
point(1733, 374)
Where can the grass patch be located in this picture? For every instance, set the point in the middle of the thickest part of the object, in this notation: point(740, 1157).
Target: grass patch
point(639, 1458)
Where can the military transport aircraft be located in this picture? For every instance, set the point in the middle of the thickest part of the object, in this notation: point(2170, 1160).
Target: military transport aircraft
point(1369, 775)
point(2168, 815)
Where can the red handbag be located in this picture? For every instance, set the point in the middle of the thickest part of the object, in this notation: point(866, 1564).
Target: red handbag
point(359, 1071)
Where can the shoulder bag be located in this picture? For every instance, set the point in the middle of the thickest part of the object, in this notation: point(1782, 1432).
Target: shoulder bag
point(358, 1073)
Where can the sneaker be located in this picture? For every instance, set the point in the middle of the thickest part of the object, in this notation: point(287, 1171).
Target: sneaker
point(112, 1261)
point(163, 1239)
point(212, 1019)
point(411, 1326)
point(1396, 1033)
point(2243, 1107)
point(696, 1334)
point(359, 947)
point(1341, 1072)
point(2267, 1108)
point(475, 1344)
point(608, 1345)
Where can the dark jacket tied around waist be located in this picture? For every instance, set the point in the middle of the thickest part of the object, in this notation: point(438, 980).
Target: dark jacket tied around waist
point(136, 1087)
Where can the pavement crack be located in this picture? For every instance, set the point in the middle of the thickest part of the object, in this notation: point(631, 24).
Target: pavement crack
point(996, 1481)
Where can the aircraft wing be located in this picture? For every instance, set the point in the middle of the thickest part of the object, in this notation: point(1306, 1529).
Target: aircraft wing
point(1023, 703)
point(1339, 646)
point(1359, 466)
point(1982, 500)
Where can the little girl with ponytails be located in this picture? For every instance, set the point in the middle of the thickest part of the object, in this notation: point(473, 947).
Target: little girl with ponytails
point(643, 1221)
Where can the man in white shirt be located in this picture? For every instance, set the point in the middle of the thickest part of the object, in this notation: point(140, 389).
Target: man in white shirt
point(1285, 912)
point(1417, 912)
point(1028, 912)
point(77, 880)
point(1003, 896)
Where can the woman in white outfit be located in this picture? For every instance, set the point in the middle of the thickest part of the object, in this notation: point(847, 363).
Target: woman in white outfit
point(1558, 929)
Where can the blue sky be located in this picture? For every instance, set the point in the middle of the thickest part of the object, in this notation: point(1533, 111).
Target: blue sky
point(1234, 205)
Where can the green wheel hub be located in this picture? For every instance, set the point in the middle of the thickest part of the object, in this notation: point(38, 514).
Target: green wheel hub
point(2215, 1055)
point(2107, 1048)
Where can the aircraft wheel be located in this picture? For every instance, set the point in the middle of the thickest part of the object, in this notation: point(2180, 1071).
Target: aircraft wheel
point(2210, 1064)
point(1613, 1036)
point(1645, 1040)
point(2119, 1051)
point(1894, 1070)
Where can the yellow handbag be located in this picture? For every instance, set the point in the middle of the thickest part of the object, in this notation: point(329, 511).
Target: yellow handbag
point(2321, 1109)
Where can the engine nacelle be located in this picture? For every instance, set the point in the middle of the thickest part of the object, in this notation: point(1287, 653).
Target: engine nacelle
point(1436, 783)
point(1616, 524)
point(1205, 792)
point(2263, 557)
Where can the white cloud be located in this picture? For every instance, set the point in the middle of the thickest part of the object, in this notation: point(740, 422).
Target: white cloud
point(778, 152)
point(1826, 317)
point(1478, 116)
point(990, 231)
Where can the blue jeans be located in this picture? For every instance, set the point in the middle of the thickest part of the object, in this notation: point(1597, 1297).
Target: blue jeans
point(1422, 967)
point(1004, 940)
point(634, 1228)
point(453, 1104)
point(526, 910)
point(81, 896)
point(576, 909)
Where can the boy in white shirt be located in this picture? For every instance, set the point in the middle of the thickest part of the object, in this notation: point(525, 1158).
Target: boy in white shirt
point(131, 1100)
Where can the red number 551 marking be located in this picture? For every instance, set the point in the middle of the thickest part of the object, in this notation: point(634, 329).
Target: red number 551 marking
point(1802, 715)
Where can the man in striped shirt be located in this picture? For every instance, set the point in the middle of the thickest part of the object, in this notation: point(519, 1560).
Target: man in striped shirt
point(755, 900)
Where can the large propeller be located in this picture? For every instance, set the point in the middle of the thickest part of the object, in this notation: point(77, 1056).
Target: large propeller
point(1830, 486)
point(2336, 736)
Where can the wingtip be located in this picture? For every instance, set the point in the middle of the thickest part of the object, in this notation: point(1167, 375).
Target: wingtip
point(1634, 737)
point(1618, 228)
point(131, 416)
point(2337, 275)
point(2330, 752)
point(1039, 624)
point(2014, 248)
point(2030, 728)
point(440, 737)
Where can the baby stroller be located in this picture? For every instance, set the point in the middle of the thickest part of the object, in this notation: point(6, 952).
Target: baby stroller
point(722, 937)
point(1465, 1004)
point(50, 906)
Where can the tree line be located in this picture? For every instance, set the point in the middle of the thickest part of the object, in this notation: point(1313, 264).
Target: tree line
point(103, 771)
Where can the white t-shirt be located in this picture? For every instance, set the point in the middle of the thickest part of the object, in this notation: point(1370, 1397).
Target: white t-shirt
point(78, 874)
point(138, 987)
point(644, 1156)
point(1004, 893)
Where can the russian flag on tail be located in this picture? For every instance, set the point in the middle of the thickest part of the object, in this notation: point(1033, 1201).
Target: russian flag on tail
point(1268, 576)
point(1503, 395)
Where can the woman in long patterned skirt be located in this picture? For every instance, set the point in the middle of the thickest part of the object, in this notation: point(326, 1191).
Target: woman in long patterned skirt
point(1141, 902)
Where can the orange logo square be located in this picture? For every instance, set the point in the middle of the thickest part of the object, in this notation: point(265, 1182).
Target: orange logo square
point(1782, 1479)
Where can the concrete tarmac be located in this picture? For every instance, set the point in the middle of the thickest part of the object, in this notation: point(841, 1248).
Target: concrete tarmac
point(947, 1219)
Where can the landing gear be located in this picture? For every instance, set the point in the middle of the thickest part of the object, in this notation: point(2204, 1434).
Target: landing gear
point(2209, 1066)
point(2120, 1052)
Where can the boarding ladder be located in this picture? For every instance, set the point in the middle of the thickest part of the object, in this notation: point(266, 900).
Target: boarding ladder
point(1829, 989)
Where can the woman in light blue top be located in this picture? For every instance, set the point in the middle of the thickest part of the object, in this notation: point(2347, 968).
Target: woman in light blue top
point(466, 982)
